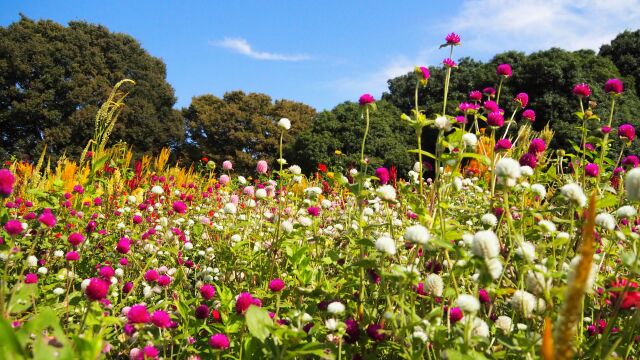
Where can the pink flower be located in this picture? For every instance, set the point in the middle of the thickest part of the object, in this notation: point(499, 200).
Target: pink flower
point(383, 174)
point(605, 129)
point(248, 190)
point(375, 332)
point(224, 179)
point(127, 287)
point(627, 132)
point(161, 319)
point(421, 70)
point(7, 180)
point(207, 291)
point(455, 315)
point(151, 275)
point(591, 170)
point(631, 160)
point(313, 211)
point(179, 207)
point(366, 99)
point(149, 352)
point(13, 227)
point(452, 39)
point(503, 144)
point(537, 145)
point(164, 280)
point(276, 285)
point(202, 312)
point(97, 289)
point(75, 239)
point(504, 70)
point(529, 159)
point(219, 341)
point(490, 106)
point(227, 165)
point(491, 92)
point(123, 246)
point(262, 167)
point(613, 86)
point(529, 115)
point(483, 296)
point(495, 119)
point(522, 98)
point(47, 218)
point(475, 95)
point(581, 90)
point(138, 314)
point(243, 302)
point(72, 256)
point(449, 63)
point(466, 107)
point(31, 279)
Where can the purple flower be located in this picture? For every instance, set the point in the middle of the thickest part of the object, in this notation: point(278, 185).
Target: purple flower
point(605, 129)
point(75, 239)
point(179, 207)
point(475, 95)
point(138, 314)
point(207, 291)
point(7, 180)
point(352, 331)
point(243, 302)
point(529, 159)
point(47, 218)
point(202, 311)
point(537, 145)
point(591, 170)
point(127, 287)
point(627, 132)
point(313, 211)
point(490, 106)
point(72, 256)
point(383, 174)
point(589, 147)
point(449, 63)
point(483, 296)
point(97, 289)
point(151, 275)
point(503, 144)
point(123, 246)
point(613, 86)
point(581, 90)
point(161, 319)
point(13, 227)
point(276, 285)
point(466, 107)
point(164, 280)
point(522, 98)
point(495, 119)
point(31, 279)
point(452, 39)
point(631, 160)
point(366, 99)
point(489, 91)
point(424, 72)
point(504, 70)
point(375, 332)
point(219, 341)
point(149, 352)
point(529, 115)
point(455, 315)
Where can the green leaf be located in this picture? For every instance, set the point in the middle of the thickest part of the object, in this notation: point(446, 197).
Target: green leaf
point(416, 151)
point(11, 348)
point(259, 322)
point(484, 159)
point(22, 300)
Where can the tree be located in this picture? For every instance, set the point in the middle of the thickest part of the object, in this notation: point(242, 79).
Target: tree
point(624, 51)
point(242, 127)
point(342, 129)
point(53, 80)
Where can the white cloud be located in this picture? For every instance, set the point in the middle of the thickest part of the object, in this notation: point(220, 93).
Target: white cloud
point(243, 47)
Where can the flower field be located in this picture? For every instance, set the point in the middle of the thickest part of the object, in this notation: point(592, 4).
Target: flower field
point(494, 246)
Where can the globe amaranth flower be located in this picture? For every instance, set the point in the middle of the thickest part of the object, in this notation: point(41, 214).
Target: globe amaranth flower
point(244, 300)
point(503, 144)
point(161, 319)
point(123, 246)
point(366, 99)
point(75, 239)
point(149, 352)
point(47, 218)
point(581, 90)
point(424, 74)
point(179, 207)
point(386, 245)
point(164, 280)
point(504, 70)
point(383, 175)
point(375, 332)
point(352, 332)
point(475, 95)
point(448, 62)
point(227, 165)
point(72, 256)
point(97, 289)
point(613, 86)
point(276, 285)
point(455, 315)
point(31, 279)
point(591, 170)
point(573, 192)
point(537, 146)
point(468, 108)
point(284, 123)
point(627, 132)
point(495, 119)
point(529, 115)
point(7, 180)
point(631, 161)
point(219, 341)
point(138, 314)
point(207, 291)
point(452, 39)
point(522, 99)
point(632, 184)
point(489, 91)
point(262, 167)
point(490, 106)
point(13, 227)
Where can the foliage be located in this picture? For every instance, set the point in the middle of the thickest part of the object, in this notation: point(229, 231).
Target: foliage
point(624, 51)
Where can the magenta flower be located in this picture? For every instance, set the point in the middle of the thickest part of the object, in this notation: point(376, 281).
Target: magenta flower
point(72, 256)
point(503, 144)
point(276, 285)
point(179, 207)
point(375, 332)
point(627, 132)
point(161, 319)
point(631, 160)
point(424, 72)
point(483, 296)
point(123, 246)
point(75, 239)
point(127, 287)
point(455, 315)
point(97, 289)
point(591, 170)
point(245, 300)
point(366, 99)
point(537, 145)
point(529, 115)
point(522, 98)
point(202, 312)
point(589, 147)
point(313, 211)
point(262, 167)
point(219, 341)
point(106, 272)
point(529, 159)
point(47, 218)
point(605, 129)
point(7, 180)
point(504, 70)
point(495, 119)
point(151, 275)
point(149, 352)
point(138, 314)
point(13, 227)
point(461, 119)
point(227, 165)
point(581, 90)
point(490, 106)
point(207, 291)
point(31, 279)
point(449, 63)
point(383, 174)
point(466, 107)
point(475, 95)
point(452, 39)
point(613, 86)
point(164, 280)
point(489, 91)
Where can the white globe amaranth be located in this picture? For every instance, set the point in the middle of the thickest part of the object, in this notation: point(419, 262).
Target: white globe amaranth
point(295, 170)
point(417, 234)
point(468, 303)
point(606, 221)
point(539, 190)
point(504, 324)
point(489, 220)
point(335, 307)
point(632, 184)
point(527, 251)
point(525, 303)
point(536, 282)
point(442, 123)
point(469, 140)
point(526, 170)
point(508, 171)
point(573, 192)
point(494, 265)
point(157, 190)
point(434, 285)
point(485, 244)
point(626, 211)
point(386, 192)
point(386, 245)
point(284, 123)
point(230, 208)
point(261, 194)
point(548, 227)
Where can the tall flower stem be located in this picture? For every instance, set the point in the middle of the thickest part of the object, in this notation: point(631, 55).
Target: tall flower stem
point(281, 160)
point(499, 89)
point(493, 161)
point(366, 132)
point(509, 124)
point(605, 139)
point(583, 144)
point(419, 135)
point(446, 85)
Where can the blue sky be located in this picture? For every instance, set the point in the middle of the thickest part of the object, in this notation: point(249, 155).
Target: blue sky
point(326, 52)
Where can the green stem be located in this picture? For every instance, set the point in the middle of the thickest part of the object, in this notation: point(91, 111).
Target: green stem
point(606, 139)
point(366, 132)
point(499, 89)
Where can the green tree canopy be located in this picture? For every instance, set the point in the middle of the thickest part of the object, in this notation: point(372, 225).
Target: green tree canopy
point(242, 127)
point(624, 51)
point(54, 78)
point(342, 129)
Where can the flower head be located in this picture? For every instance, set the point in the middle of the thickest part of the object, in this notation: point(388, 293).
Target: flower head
point(179, 207)
point(627, 132)
point(495, 119)
point(284, 123)
point(489, 91)
point(262, 167)
point(219, 341)
point(227, 165)
point(591, 170)
point(613, 86)
point(47, 218)
point(475, 95)
point(504, 70)
point(276, 285)
point(7, 180)
point(161, 319)
point(529, 115)
point(448, 62)
point(452, 39)
point(383, 175)
point(522, 99)
point(207, 291)
point(366, 99)
point(581, 90)
point(503, 144)
point(424, 74)
point(13, 227)
point(386, 245)
point(138, 314)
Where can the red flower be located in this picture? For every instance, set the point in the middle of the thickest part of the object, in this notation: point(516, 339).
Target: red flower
point(322, 167)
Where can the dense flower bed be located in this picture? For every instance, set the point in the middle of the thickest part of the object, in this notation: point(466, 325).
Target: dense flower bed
point(493, 246)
